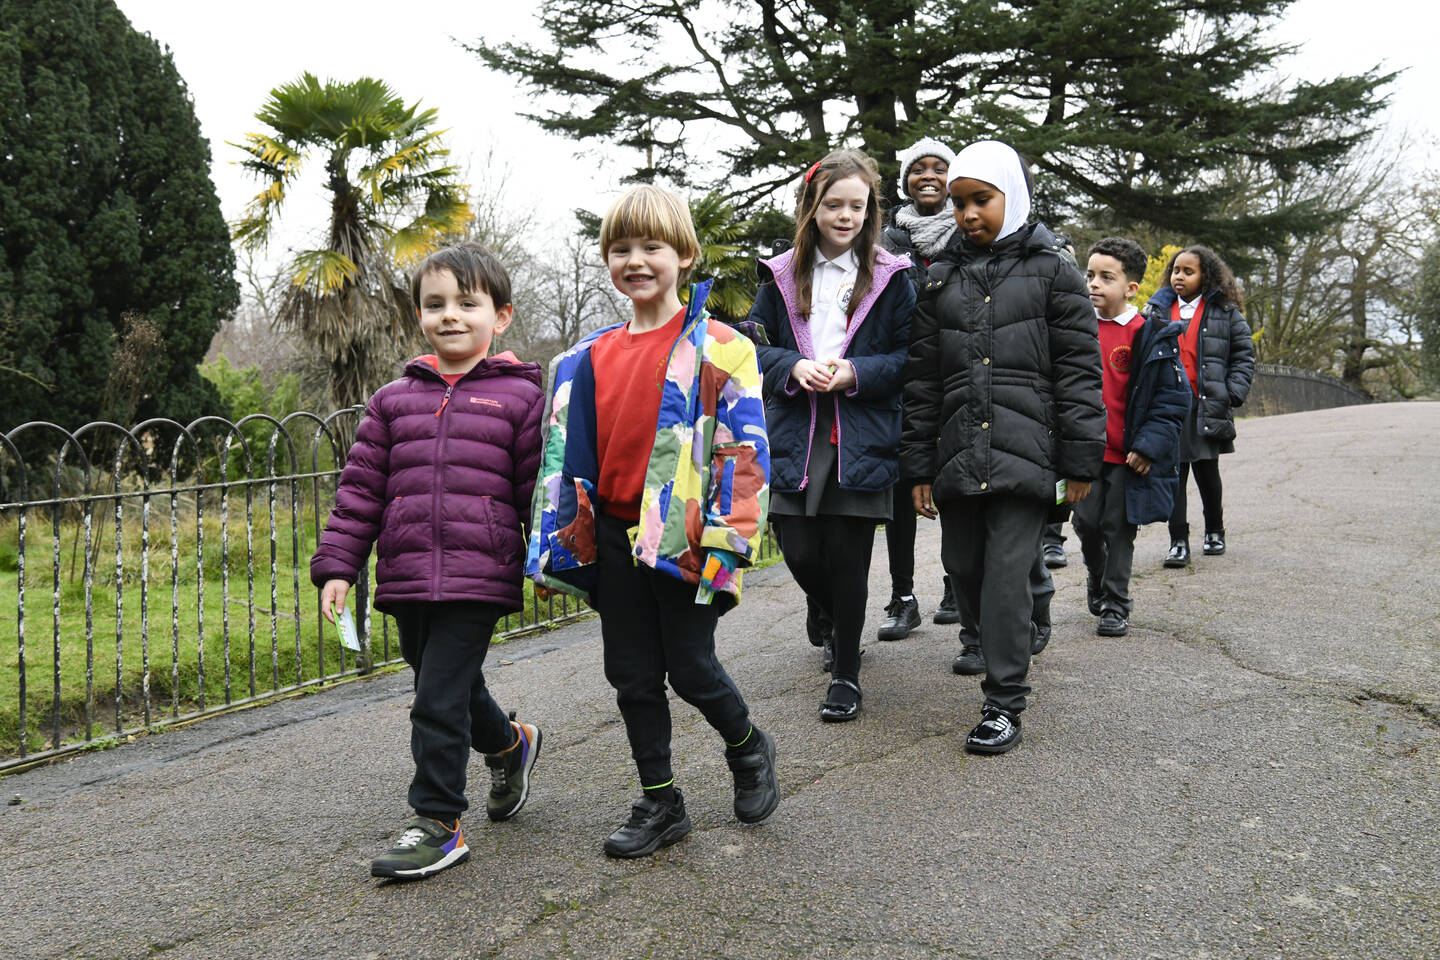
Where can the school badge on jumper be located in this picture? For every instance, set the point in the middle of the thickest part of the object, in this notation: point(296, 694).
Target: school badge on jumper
point(1120, 359)
point(842, 296)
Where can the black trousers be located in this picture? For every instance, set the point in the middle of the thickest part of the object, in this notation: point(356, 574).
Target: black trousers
point(445, 644)
point(1055, 523)
point(829, 557)
point(1042, 591)
point(900, 541)
point(1107, 537)
point(1207, 479)
point(989, 544)
point(653, 629)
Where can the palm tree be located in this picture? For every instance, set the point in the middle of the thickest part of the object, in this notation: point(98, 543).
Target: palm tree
point(393, 195)
point(722, 258)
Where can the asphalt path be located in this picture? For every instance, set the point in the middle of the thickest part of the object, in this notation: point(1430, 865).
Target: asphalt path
point(1253, 772)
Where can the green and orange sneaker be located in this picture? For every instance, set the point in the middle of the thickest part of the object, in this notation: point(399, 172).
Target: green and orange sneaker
point(424, 849)
point(510, 771)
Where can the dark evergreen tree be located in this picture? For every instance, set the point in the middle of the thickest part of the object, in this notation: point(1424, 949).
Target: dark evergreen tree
point(1125, 104)
point(106, 209)
point(1427, 316)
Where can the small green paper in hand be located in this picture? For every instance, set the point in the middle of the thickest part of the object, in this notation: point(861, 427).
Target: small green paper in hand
point(1060, 490)
point(345, 623)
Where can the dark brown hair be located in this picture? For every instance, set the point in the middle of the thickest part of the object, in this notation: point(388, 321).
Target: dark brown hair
point(1129, 253)
point(474, 268)
point(1215, 277)
point(836, 166)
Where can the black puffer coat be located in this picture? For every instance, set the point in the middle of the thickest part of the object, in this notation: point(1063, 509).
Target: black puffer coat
point(1003, 383)
point(1224, 361)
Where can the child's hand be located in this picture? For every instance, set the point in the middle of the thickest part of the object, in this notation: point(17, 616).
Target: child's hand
point(332, 598)
point(1140, 464)
point(811, 375)
point(843, 376)
point(1076, 490)
point(920, 497)
point(542, 593)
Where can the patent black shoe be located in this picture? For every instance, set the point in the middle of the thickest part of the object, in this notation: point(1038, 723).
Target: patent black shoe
point(1093, 595)
point(901, 616)
point(827, 655)
point(970, 662)
point(1112, 623)
point(997, 732)
point(1055, 556)
point(949, 610)
point(842, 701)
point(1039, 638)
point(1179, 555)
point(1214, 543)
point(652, 825)
point(757, 789)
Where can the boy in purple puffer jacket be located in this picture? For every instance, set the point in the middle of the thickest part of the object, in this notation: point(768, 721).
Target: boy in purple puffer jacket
point(443, 462)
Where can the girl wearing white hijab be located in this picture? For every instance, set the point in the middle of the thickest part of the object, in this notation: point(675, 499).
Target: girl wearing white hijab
point(1002, 403)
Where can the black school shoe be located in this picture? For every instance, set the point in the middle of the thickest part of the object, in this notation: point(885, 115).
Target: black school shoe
point(1055, 556)
point(842, 701)
point(653, 824)
point(757, 789)
point(970, 662)
point(1093, 595)
point(1214, 543)
point(817, 625)
point(1179, 555)
point(949, 610)
point(1112, 623)
point(901, 616)
point(997, 732)
point(1039, 638)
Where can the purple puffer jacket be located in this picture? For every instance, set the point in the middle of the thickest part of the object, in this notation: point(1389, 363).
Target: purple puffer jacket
point(443, 476)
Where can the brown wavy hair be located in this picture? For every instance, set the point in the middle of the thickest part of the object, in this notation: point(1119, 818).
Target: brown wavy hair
point(836, 166)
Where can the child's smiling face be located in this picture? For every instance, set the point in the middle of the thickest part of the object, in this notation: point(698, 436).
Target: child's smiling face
point(645, 269)
point(841, 215)
point(1186, 276)
point(925, 183)
point(979, 209)
point(459, 325)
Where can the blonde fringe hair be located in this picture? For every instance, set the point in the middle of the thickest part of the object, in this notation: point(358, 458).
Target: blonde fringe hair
point(654, 213)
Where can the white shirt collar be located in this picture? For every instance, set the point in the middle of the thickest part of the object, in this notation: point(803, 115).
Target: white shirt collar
point(847, 261)
point(1126, 315)
point(1187, 307)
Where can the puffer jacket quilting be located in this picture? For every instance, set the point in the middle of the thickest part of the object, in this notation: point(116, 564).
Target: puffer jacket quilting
point(1157, 399)
point(1002, 389)
point(1225, 361)
point(443, 484)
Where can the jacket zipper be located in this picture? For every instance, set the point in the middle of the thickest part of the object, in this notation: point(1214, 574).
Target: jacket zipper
point(435, 523)
point(809, 444)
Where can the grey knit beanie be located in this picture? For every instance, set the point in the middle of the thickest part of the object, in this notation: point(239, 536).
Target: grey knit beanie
point(924, 147)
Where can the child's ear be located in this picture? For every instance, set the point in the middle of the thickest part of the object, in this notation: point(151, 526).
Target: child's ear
point(503, 316)
point(687, 260)
point(1131, 289)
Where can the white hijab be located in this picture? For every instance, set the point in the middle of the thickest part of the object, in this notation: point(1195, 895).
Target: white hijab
point(997, 164)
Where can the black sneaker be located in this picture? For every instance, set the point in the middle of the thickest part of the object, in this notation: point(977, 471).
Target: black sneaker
point(901, 616)
point(652, 825)
point(1214, 544)
point(949, 611)
point(1055, 556)
point(970, 662)
point(997, 732)
point(757, 789)
point(1093, 595)
point(1112, 623)
point(1179, 555)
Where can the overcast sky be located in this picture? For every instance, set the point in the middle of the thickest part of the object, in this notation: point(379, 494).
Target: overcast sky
point(232, 54)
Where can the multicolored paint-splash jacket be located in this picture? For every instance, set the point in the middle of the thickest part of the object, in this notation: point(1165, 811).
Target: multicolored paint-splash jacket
point(707, 486)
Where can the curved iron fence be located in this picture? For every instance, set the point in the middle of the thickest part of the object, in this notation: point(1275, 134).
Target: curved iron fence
point(161, 573)
point(1280, 389)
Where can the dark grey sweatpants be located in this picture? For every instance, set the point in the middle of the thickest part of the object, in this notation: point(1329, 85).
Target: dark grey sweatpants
point(988, 544)
point(1107, 537)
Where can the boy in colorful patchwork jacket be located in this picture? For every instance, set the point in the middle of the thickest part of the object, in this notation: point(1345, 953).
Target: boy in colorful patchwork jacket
point(653, 490)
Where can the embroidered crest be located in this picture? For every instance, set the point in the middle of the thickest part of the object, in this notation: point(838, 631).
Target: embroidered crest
point(1120, 358)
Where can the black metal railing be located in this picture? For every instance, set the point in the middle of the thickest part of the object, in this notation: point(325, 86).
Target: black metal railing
point(107, 529)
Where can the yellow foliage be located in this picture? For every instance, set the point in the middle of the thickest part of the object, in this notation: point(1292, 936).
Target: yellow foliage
point(1155, 273)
